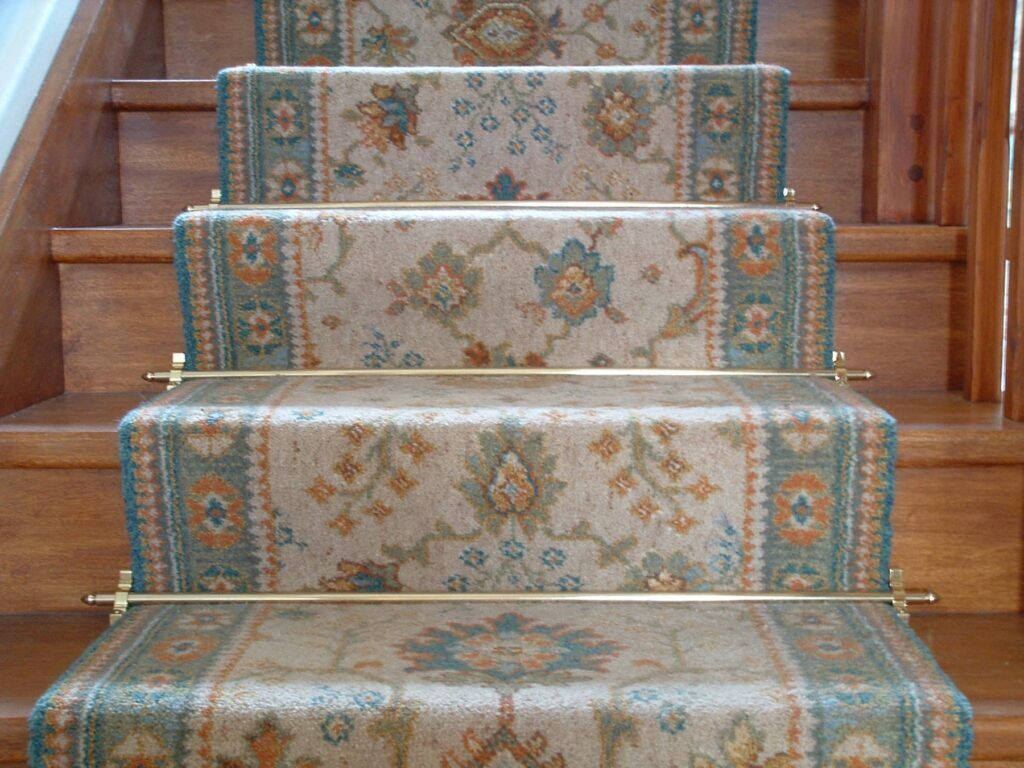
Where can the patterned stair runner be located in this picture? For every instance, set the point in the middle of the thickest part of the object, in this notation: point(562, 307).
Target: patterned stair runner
point(435, 484)
point(469, 686)
point(483, 32)
point(686, 133)
point(437, 289)
point(512, 484)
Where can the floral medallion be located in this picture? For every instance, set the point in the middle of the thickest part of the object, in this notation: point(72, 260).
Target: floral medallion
point(442, 286)
point(509, 648)
point(803, 508)
point(661, 573)
point(252, 251)
point(390, 117)
point(215, 508)
point(618, 116)
point(512, 480)
point(574, 284)
point(501, 33)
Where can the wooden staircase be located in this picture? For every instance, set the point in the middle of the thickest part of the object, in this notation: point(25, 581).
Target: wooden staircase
point(901, 298)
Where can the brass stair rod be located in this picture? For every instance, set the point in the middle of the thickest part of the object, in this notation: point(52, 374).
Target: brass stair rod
point(839, 373)
point(898, 597)
point(598, 205)
point(164, 598)
point(788, 202)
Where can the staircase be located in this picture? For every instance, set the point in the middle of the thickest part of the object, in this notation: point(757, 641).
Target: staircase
point(959, 526)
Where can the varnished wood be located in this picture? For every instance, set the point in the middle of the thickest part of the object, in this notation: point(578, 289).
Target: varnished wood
point(984, 655)
point(36, 649)
point(854, 243)
point(204, 36)
point(200, 95)
point(62, 532)
point(904, 321)
point(900, 243)
point(1013, 397)
point(117, 316)
point(960, 531)
point(898, 58)
point(992, 40)
point(62, 171)
point(950, 112)
point(70, 431)
point(111, 245)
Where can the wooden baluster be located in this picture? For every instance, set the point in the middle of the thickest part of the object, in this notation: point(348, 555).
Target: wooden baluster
point(991, 61)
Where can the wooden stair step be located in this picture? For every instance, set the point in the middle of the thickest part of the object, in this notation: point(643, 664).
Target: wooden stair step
point(79, 430)
point(169, 145)
point(854, 243)
point(984, 654)
point(956, 520)
point(201, 96)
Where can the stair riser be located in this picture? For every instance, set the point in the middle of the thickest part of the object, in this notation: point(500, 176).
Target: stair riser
point(122, 319)
point(169, 161)
point(956, 531)
point(808, 36)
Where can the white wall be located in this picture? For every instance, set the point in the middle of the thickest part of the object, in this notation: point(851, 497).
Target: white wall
point(30, 33)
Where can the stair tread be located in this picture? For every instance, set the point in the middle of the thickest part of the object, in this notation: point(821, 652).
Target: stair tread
point(79, 430)
point(200, 95)
point(854, 243)
point(990, 673)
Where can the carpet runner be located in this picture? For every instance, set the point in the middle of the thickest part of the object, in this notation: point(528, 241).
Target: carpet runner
point(469, 686)
point(514, 484)
point(440, 484)
point(570, 133)
point(451, 288)
point(482, 32)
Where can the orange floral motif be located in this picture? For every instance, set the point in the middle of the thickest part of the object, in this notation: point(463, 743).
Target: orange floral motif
point(702, 488)
point(378, 510)
point(478, 355)
point(215, 507)
point(606, 446)
point(674, 465)
point(401, 483)
point(623, 482)
point(357, 433)
point(681, 522)
point(665, 431)
point(645, 509)
point(349, 468)
point(390, 117)
point(252, 250)
point(416, 447)
point(803, 508)
point(756, 246)
point(321, 490)
point(344, 523)
point(178, 650)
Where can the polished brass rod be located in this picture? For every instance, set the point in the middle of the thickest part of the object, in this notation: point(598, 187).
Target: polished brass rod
point(824, 373)
point(373, 205)
point(162, 598)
